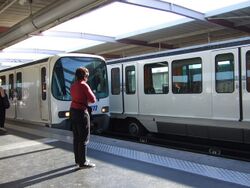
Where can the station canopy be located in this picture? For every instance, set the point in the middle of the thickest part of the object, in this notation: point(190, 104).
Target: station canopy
point(116, 23)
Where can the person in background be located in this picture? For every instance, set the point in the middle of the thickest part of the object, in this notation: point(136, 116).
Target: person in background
point(2, 107)
point(177, 88)
point(81, 95)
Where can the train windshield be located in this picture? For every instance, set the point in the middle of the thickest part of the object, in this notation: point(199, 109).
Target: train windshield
point(64, 76)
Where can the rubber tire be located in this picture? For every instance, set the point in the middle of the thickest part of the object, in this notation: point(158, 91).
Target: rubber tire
point(135, 128)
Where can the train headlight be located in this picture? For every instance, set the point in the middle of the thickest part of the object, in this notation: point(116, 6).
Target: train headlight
point(63, 114)
point(67, 114)
point(105, 109)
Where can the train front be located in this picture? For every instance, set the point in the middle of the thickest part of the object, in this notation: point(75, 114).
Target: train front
point(62, 78)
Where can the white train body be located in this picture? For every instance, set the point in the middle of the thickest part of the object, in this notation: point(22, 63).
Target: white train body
point(213, 99)
point(39, 92)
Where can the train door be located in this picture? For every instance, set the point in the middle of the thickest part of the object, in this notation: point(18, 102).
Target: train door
point(130, 89)
point(44, 105)
point(225, 84)
point(245, 59)
point(11, 112)
point(19, 94)
point(116, 89)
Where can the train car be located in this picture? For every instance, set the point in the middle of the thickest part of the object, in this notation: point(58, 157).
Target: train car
point(39, 92)
point(201, 91)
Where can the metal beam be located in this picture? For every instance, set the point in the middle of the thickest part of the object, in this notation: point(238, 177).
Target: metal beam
point(169, 7)
point(111, 56)
point(54, 14)
point(103, 38)
point(143, 43)
point(186, 35)
point(229, 24)
point(177, 9)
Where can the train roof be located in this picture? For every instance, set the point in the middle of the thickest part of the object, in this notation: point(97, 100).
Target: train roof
point(57, 55)
point(210, 46)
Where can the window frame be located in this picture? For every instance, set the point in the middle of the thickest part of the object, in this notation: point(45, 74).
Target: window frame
point(216, 75)
point(128, 83)
point(188, 88)
point(148, 80)
point(115, 81)
point(248, 75)
point(43, 83)
point(19, 86)
point(11, 86)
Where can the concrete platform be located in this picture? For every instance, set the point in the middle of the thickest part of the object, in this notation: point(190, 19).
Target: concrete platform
point(34, 156)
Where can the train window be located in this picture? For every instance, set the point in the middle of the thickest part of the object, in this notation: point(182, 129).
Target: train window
point(64, 75)
point(19, 85)
point(3, 81)
point(43, 83)
point(248, 70)
point(115, 81)
point(187, 76)
point(224, 73)
point(156, 78)
point(11, 86)
point(130, 80)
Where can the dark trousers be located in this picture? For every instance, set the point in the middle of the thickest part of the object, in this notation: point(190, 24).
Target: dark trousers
point(2, 117)
point(80, 123)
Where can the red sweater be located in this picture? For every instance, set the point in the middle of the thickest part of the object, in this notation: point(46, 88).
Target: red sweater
point(81, 95)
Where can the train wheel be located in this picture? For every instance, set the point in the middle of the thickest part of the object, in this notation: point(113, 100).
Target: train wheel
point(135, 128)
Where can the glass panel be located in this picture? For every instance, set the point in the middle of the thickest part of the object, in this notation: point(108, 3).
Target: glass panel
point(64, 76)
point(11, 86)
point(43, 83)
point(3, 82)
point(19, 85)
point(187, 76)
point(130, 80)
point(248, 70)
point(156, 79)
point(115, 81)
point(224, 69)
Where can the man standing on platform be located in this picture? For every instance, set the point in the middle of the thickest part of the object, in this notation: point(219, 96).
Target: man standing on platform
point(81, 95)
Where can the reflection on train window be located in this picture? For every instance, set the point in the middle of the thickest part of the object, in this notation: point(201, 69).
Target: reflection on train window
point(187, 76)
point(130, 80)
point(224, 73)
point(115, 81)
point(43, 83)
point(156, 79)
point(11, 86)
point(248, 70)
point(64, 76)
point(19, 85)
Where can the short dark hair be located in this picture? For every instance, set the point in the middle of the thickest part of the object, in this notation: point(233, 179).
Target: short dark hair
point(81, 73)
